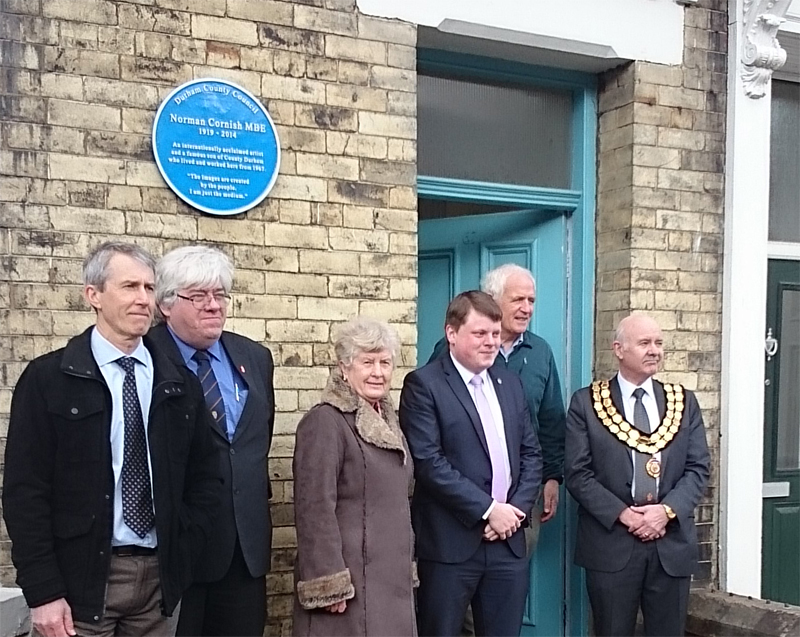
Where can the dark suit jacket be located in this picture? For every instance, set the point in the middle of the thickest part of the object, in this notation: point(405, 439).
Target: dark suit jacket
point(451, 460)
point(244, 509)
point(599, 473)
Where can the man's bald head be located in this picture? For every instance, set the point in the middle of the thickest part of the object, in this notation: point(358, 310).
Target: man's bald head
point(639, 347)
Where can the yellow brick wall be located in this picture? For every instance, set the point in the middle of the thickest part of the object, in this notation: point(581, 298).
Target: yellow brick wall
point(81, 82)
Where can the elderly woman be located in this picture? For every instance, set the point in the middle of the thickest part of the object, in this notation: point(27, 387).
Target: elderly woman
point(352, 472)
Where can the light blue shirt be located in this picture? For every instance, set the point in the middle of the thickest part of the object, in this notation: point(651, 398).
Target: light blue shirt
point(105, 354)
point(506, 353)
point(231, 385)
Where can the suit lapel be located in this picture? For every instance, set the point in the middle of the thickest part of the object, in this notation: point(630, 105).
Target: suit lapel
point(661, 401)
point(243, 365)
point(619, 403)
point(462, 393)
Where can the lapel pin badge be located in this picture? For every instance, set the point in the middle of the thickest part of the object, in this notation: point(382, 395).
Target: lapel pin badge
point(241, 369)
point(499, 381)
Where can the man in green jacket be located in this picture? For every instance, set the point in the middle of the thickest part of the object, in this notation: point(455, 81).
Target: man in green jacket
point(529, 355)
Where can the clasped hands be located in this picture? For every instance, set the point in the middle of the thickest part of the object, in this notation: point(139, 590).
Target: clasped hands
point(648, 522)
point(503, 521)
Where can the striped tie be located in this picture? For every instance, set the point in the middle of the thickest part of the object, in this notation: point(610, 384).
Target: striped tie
point(211, 389)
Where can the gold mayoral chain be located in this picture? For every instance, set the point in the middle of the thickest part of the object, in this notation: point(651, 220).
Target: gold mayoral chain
point(627, 433)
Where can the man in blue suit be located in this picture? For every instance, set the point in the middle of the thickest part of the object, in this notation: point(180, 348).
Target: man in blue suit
point(478, 469)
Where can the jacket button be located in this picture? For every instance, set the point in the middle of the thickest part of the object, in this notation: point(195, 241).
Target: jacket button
point(74, 410)
point(96, 618)
point(108, 497)
point(236, 492)
point(233, 451)
point(102, 553)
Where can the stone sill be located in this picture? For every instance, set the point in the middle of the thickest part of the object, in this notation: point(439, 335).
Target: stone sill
point(718, 614)
point(14, 615)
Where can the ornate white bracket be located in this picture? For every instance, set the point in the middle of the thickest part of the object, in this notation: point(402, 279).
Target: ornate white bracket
point(761, 53)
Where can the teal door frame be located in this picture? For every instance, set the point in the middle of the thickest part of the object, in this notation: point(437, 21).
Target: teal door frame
point(579, 204)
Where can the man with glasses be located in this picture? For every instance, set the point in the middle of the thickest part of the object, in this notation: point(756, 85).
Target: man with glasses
point(193, 287)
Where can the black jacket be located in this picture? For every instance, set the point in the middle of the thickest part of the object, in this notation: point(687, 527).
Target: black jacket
point(58, 485)
point(244, 506)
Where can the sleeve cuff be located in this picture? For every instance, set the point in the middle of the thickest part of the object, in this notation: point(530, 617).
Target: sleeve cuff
point(324, 591)
point(488, 512)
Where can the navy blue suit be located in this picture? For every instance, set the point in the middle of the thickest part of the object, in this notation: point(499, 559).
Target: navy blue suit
point(452, 493)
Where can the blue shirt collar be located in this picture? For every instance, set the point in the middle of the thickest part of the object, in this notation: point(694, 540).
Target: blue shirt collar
point(187, 351)
point(105, 352)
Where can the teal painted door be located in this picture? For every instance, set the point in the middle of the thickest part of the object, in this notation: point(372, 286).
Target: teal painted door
point(454, 253)
point(781, 538)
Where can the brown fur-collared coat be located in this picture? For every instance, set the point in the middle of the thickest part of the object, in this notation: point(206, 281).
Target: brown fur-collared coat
point(352, 472)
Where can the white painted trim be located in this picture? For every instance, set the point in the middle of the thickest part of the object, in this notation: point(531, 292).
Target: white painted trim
point(783, 250)
point(745, 268)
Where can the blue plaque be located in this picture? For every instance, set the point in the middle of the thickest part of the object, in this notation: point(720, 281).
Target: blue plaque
point(216, 146)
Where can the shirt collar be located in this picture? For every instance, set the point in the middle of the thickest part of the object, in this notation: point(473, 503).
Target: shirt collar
point(467, 375)
point(514, 345)
point(105, 352)
point(627, 387)
point(187, 351)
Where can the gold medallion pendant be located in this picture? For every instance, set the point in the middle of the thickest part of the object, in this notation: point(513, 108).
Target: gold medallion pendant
point(653, 468)
point(626, 433)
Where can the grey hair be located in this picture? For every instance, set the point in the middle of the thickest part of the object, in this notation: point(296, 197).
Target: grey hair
point(191, 266)
point(95, 265)
point(494, 281)
point(364, 334)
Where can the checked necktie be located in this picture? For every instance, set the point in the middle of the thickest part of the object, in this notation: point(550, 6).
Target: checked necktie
point(137, 494)
point(493, 442)
point(211, 390)
point(645, 489)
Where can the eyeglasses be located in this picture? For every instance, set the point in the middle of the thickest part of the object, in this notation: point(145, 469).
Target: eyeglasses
point(201, 300)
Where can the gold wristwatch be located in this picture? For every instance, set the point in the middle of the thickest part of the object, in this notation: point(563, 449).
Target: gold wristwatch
point(670, 513)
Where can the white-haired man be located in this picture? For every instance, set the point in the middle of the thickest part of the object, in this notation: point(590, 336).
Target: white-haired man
point(193, 287)
point(528, 355)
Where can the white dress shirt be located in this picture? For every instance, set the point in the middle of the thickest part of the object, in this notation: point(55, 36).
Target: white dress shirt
point(650, 406)
point(105, 354)
point(497, 413)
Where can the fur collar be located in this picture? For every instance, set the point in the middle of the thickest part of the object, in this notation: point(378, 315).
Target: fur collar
point(370, 425)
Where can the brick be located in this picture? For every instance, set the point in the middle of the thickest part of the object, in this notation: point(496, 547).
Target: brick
point(327, 262)
point(681, 97)
point(360, 97)
point(159, 71)
point(95, 11)
point(209, 7)
point(681, 180)
point(289, 64)
point(260, 306)
point(256, 59)
point(289, 39)
point(246, 79)
point(254, 329)
point(81, 168)
point(356, 145)
point(136, 120)
point(124, 198)
point(293, 89)
point(295, 284)
point(386, 172)
point(222, 55)
point(115, 144)
point(708, 162)
point(358, 217)
point(261, 11)
point(224, 29)
point(230, 230)
point(392, 78)
point(677, 138)
point(677, 301)
point(394, 31)
point(320, 68)
point(387, 125)
point(358, 193)
point(403, 289)
point(354, 49)
point(28, 322)
point(402, 150)
point(296, 212)
point(301, 332)
point(353, 73)
point(358, 287)
point(115, 40)
point(143, 173)
point(326, 308)
point(302, 139)
point(26, 109)
point(403, 220)
point(45, 297)
point(66, 87)
point(403, 197)
point(404, 57)
point(286, 235)
point(359, 240)
point(377, 264)
point(318, 165)
point(315, 19)
point(165, 226)
point(656, 157)
point(22, 56)
point(51, 138)
point(118, 93)
point(326, 117)
point(78, 35)
point(81, 62)
point(87, 194)
point(71, 219)
point(403, 243)
point(141, 18)
point(266, 258)
point(302, 188)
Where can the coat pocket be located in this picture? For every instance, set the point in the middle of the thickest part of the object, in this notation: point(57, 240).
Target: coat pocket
point(81, 427)
point(70, 525)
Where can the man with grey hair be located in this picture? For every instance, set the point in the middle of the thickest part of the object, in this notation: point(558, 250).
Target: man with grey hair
point(111, 480)
point(193, 286)
point(529, 356)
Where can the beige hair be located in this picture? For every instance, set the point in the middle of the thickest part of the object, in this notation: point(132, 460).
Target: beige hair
point(364, 334)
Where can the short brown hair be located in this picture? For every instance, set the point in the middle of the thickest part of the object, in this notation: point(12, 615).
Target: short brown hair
point(460, 307)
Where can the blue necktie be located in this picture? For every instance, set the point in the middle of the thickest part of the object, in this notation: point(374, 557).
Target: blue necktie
point(211, 389)
point(137, 494)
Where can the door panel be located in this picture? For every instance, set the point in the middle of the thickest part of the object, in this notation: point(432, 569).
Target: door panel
point(781, 548)
point(454, 253)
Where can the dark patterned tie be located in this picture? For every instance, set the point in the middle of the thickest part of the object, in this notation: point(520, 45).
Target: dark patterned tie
point(211, 389)
point(137, 494)
point(645, 489)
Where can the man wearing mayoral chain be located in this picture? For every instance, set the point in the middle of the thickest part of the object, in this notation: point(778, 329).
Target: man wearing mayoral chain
point(637, 462)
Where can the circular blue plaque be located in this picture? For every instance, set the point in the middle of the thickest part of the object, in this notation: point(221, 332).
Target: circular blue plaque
point(216, 146)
